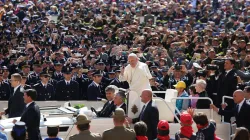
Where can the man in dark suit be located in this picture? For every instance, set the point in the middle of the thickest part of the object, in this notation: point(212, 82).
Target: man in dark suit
point(94, 89)
point(109, 106)
point(67, 89)
point(119, 101)
point(31, 115)
point(149, 114)
point(45, 90)
point(16, 104)
point(240, 111)
point(227, 84)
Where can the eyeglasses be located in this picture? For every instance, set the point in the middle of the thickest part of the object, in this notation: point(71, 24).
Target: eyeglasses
point(46, 76)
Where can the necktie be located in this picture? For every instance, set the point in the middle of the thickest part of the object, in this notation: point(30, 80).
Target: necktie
point(238, 107)
point(142, 111)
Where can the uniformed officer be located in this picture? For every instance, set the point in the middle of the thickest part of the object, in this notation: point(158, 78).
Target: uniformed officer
point(45, 90)
point(5, 90)
point(6, 74)
point(83, 125)
point(53, 129)
point(119, 132)
point(57, 75)
point(94, 89)
point(67, 89)
point(33, 78)
point(23, 81)
point(24, 67)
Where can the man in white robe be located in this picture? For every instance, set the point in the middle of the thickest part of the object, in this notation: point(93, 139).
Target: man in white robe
point(136, 74)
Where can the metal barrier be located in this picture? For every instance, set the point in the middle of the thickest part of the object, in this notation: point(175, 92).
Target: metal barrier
point(188, 98)
point(161, 92)
point(168, 108)
point(223, 102)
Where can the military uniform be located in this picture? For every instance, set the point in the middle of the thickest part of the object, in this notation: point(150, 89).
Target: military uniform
point(44, 92)
point(32, 79)
point(5, 91)
point(119, 132)
point(86, 135)
point(67, 90)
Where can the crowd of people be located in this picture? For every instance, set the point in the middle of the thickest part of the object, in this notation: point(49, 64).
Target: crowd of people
point(73, 50)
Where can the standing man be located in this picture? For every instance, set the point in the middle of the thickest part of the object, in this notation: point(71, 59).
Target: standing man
point(67, 89)
point(5, 90)
point(45, 90)
point(16, 104)
point(33, 77)
point(149, 114)
point(227, 84)
point(94, 89)
point(119, 132)
point(240, 111)
point(31, 115)
point(136, 74)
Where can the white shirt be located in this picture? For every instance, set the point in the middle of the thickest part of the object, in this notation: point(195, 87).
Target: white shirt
point(228, 71)
point(67, 82)
point(28, 104)
point(119, 105)
point(240, 105)
point(16, 88)
point(96, 84)
point(138, 77)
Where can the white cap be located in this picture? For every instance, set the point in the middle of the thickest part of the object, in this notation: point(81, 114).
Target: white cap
point(196, 65)
point(20, 123)
point(53, 123)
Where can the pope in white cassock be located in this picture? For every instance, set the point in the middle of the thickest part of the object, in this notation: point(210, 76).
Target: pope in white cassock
point(137, 75)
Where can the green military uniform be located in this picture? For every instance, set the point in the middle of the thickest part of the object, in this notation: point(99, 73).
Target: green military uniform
point(119, 132)
point(86, 135)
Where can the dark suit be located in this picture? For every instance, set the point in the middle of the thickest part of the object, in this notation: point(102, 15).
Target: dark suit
point(5, 91)
point(16, 104)
point(241, 117)
point(93, 92)
point(44, 93)
point(150, 116)
point(31, 117)
point(107, 109)
point(227, 84)
point(124, 107)
point(67, 92)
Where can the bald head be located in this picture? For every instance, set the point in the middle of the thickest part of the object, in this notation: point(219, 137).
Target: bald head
point(146, 95)
point(238, 96)
point(132, 59)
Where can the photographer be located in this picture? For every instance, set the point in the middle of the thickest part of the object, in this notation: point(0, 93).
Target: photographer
point(178, 73)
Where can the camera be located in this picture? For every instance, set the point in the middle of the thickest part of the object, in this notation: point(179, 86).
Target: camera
point(212, 67)
point(177, 67)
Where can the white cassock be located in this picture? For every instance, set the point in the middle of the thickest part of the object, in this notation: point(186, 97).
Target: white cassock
point(138, 79)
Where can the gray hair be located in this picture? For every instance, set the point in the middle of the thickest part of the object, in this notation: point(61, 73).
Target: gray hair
point(122, 95)
point(112, 88)
point(202, 83)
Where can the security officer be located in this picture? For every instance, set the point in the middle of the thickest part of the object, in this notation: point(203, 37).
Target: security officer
point(23, 81)
point(57, 75)
point(52, 130)
point(94, 89)
point(33, 78)
point(45, 90)
point(5, 90)
point(24, 67)
point(67, 89)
